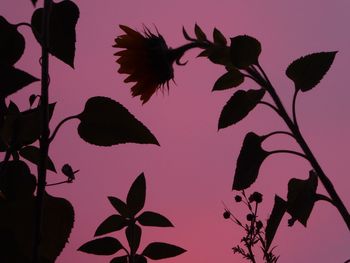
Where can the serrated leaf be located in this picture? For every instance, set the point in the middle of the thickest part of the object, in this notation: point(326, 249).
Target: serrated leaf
point(102, 246)
point(239, 106)
point(301, 197)
point(122, 259)
point(199, 33)
point(133, 234)
point(249, 161)
point(63, 19)
point(111, 224)
point(136, 197)
point(13, 80)
point(219, 38)
point(105, 122)
point(12, 43)
point(32, 154)
point(306, 72)
point(149, 218)
point(159, 250)
point(274, 220)
point(232, 78)
point(119, 205)
point(244, 51)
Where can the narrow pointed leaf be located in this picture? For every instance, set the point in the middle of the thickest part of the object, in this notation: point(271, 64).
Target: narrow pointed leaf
point(249, 161)
point(122, 259)
point(133, 234)
point(111, 224)
point(199, 33)
point(102, 246)
point(232, 78)
point(301, 197)
point(244, 51)
point(34, 2)
point(239, 106)
point(32, 154)
point(148, 218)
point(119, 205)
point(306, 72)
point(63, 19)
point(219, 38)
point(136, 195)
point(186, 36)
point(105, 122)
point(12, 43)
point(13, 80)
point(274, 220)
point(159, 250)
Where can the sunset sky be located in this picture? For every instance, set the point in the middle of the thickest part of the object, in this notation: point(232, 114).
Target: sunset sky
point(190, 175)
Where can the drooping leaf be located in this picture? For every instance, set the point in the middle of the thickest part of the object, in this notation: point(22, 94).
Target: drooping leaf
point(102, 246)
point(119, 205)
point(249, 161)
point(301, 197)
point(219, 38)
point(13, 80)
point(199, 33)
point(137, 195)
point(274, 220)
point(244, 51)
point(122, 259)
point(63, 19)
point(32, 154)
point(105, 122)
point(111, 224)
point(133, 234)
point(239, 106)
point(159, 250)
point(149, 218)
point(232, 78)
point(306, 72)
point(12, 43)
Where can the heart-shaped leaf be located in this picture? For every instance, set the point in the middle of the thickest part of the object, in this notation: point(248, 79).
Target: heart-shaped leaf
point(102, 246)
point(244, 51)
point(133, 234)
point(105, 122)
point(301, 197)
point(159, 250)
point(32, 154)
point(274, 220)
point(239, 106)
point(249, 161)
point(137, 195)
point(111, 224)
point(13, 79)
point(306, 72)
point(63, 19)
point(122, 259)
point(232, 78)
point(119, 205)
point(12, 43)
point(148, 218)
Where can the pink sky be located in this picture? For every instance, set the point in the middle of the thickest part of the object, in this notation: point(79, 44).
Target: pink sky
point(190, 175)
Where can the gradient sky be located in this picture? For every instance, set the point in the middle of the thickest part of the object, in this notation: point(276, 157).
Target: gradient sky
point(191, 174)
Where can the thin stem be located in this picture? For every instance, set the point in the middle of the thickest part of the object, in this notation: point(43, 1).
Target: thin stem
point(294, 108)
point(290, 152)
point(270, 105)
point(324, 198)
point(279, 132)
point(24, 24)
point(59, 126)
point(63, 182)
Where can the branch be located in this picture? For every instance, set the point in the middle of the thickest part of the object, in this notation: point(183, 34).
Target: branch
point(59, 126)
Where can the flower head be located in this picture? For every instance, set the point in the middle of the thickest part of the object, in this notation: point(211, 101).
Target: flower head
point(147, 60)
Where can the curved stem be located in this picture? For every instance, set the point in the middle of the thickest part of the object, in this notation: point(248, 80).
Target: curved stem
point(294, 108)
point(320, 197)
point(270, 105)
point(24, 24)
point(59, 126)
point(279, 132)
point(290, 152)
point(63, 182)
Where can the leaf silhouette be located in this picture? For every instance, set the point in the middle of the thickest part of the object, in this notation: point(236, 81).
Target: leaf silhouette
point(199, 33)
point(122, 259)
point(301, 197)
point(63, 19)
point(111, 224)
point(219, 38)
point(148, 218)
point(12, 43)
point(159, 250)
point(105, 122)
point(32, 154)
point(232, 78)
point(306, 72)
point(249, 161)
point(102, 246)
point(133, 235)
point(244, 51)
point(217, 54)
point(239, 106)
point(136, 196)
point(13, 80)
point(34, 2)
point(274, 220)
point(119, 205)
